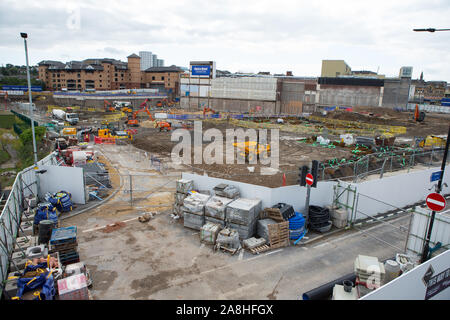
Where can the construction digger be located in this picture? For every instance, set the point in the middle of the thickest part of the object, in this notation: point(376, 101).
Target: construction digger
point(162, 125)
point(108, 106)
point(165, 103)
point(208, 110)
point(419, 116)
point(251, 150)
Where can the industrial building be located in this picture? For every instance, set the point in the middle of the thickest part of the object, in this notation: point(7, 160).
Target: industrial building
point(276, 95)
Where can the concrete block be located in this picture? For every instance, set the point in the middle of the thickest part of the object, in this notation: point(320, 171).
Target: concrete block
point(340, 214)
point(214, 220)
point(36, 251)
point(29, 217)
point(338, 223)
point(245, 232)
point(27, 229)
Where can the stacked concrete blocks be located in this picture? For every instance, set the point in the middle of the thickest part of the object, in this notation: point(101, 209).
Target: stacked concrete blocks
point(194, 210)
point(183, 187)
point(242, 215)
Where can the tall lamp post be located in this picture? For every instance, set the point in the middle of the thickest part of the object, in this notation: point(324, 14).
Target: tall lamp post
point(25, 36)
point(426, 246)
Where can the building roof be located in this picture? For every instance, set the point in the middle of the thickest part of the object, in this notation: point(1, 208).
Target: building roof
point(164, 69)
point(133, 56)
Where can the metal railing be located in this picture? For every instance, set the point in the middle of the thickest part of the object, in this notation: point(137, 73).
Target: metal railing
point(25, 184)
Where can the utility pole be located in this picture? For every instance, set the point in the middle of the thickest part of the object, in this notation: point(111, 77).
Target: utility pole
point(426, 246)
point(24, 36)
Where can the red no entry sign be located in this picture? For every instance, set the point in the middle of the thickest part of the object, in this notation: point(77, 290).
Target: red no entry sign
point(436, 202)
point(309, 179)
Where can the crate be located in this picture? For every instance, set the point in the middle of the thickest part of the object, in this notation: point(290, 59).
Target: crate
point(64, 235)
point(272, 213)
point(279, 234)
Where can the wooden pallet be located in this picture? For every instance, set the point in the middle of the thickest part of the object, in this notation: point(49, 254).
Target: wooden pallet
point(279, 234)
point(260, 249)
point(272, 213)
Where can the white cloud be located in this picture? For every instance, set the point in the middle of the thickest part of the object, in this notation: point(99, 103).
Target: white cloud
point(253, 35)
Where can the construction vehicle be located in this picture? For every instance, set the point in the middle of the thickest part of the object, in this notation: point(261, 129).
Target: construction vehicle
point(163, 125)
point(208, 110)
point(108, 106)
point(251, 150)
point(164, 103)
point(113, 133)
point(71, 118)
point(419, 116)
point(133, 121)
point(122, 106)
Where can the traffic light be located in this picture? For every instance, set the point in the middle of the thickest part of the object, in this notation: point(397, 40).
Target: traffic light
point(314, 171)
point(303, 172)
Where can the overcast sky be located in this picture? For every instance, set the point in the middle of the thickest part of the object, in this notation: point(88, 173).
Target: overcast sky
point(247, 36)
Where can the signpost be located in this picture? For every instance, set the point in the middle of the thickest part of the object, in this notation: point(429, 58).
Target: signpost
point(435, 176)
point(309, 179)
point(436, 202)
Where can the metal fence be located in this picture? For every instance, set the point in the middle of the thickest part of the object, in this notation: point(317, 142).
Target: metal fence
point(25, 184)
point(381, 163)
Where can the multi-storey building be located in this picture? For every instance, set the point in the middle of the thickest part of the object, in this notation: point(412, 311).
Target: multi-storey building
point(146, 59)
point(107, 74)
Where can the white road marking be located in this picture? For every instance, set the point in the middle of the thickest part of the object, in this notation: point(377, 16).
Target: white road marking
point(108, 225)
point(270, 252)
point(241, 255)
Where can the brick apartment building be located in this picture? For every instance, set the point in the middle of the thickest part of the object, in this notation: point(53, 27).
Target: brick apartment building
point(107, 74)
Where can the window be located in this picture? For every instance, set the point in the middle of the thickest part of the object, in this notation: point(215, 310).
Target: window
point(100, 75)
point(115, 74)
point(153, 78)
point(115, 79)
point(162, 78)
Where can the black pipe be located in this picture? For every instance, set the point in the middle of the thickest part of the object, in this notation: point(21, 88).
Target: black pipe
point(324, 291)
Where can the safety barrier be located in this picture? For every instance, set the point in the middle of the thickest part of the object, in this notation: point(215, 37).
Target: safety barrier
point(100, 140)
point(25, 185)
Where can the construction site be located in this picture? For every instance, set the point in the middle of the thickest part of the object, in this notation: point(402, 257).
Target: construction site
point(109, 215)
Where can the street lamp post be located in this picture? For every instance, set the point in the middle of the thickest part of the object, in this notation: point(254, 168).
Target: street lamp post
point(24, 36)
point(426, 246)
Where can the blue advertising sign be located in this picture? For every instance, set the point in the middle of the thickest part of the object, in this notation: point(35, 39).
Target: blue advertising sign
point(435, 176)
point(21, 88)
point(201, 70)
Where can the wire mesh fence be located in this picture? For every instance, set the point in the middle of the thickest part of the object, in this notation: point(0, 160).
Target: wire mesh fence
point(380, 163)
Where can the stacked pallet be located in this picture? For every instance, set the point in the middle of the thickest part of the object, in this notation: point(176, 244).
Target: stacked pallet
point(64, 241)
point(215, 210)
point(242, 215)
point(183, 188)
point(262, 228)
point(279, 235)
point(194, 210)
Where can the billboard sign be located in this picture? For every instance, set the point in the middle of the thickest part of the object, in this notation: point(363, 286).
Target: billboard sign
point(201, 70)
point(21, 88)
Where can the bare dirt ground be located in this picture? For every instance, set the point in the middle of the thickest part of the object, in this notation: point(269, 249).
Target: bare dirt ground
point(295, 152)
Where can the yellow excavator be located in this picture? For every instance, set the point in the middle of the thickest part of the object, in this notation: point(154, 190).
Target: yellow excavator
point(251, 149)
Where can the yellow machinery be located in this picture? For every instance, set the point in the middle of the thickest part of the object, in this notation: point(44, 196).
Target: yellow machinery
point(251, 149)
point(107, 133)
point(69, 131)
point(432, 141)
